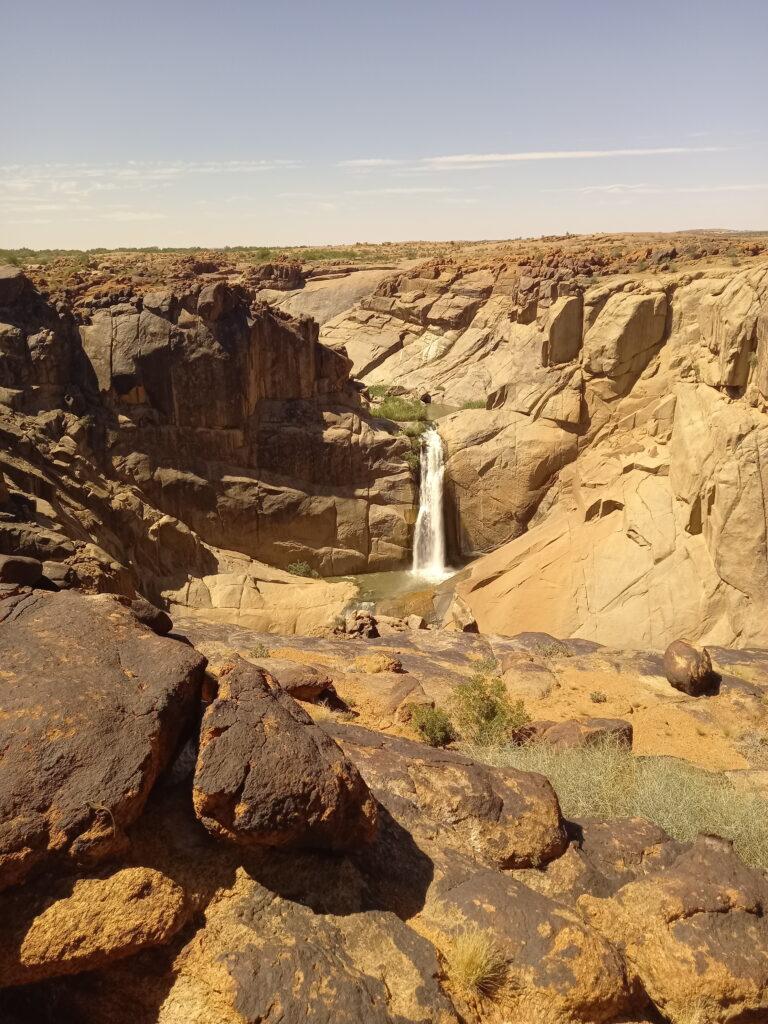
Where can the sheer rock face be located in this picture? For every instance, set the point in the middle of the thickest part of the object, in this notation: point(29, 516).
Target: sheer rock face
point(218, 423)
point(268, 776)
point(91, 708)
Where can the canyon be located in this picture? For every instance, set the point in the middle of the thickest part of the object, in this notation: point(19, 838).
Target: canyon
point(216, 803)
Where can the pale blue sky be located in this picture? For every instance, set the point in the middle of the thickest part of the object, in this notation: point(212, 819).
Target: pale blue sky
point(189, 122)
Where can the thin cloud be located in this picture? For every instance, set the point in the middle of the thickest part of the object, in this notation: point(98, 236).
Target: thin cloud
point(368, 162)
point(619, 189)
point(404, 191)
point(469, 160)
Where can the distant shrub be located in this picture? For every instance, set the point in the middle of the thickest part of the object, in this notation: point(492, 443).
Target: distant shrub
point(303, 569)
point(378, 390)
point(479, 403)
point(475, 963)
point(483, 712)
point(552, 649)
point(433, 725)
point(260, 651)
point(598, 697)
point(413, 460)
point(607, 781)
point(394, 407)
point(414, 430)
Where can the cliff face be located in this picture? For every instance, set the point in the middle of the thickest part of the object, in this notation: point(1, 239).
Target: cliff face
point(614, 481)
point(200, 417)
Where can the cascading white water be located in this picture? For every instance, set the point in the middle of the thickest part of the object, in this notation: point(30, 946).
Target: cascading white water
point(429, 537)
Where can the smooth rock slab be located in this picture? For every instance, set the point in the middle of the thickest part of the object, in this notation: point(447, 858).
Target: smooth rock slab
point(268, 776)
point(91, 707)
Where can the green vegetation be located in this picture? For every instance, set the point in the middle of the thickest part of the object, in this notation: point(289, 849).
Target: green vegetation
point(260, 651)
point(552, 649)
point(401, 409)
point(598, 697)
point(433, 725)
point(412, 460)
point(378, 390)
point(608, 781)
point(475, 963)
point(303, 569)
point(483, 712)
point(479, 403)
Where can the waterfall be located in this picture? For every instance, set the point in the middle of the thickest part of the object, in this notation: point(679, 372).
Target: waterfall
point(429, 537)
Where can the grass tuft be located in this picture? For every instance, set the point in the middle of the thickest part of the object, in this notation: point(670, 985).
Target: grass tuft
point(303, 569)
point(260, 651)
point(608, 781)
point(475, 962)
point(401, 409)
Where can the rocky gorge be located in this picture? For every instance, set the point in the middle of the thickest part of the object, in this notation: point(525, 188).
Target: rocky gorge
point(232, 792)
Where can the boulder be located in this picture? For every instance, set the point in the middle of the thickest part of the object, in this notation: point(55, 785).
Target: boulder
point(303, 682)
point(504, 818)
point(266, 775)
point(694, 934)
point(581, 732)
point(51, 930)
point(91, 710)
point(689, 669)
point(361, 623)
point(61, 575)
point(18, 569)
point(150, 615)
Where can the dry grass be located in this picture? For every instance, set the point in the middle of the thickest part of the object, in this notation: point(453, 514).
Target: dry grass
point(475, 962)
point(608, 781)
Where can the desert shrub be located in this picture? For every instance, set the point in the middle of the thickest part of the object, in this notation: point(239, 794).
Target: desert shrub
point(433, 725)
point(394, 407)
point(414, 430)
point(483, 712)
point(378, 390)
point(552, 649)
point(608, 781)
point(260, 651)
point(412, 460)
point(303, 569)
point(478, 403)
point(475, 963)
point(598, 697)
point(487, 666)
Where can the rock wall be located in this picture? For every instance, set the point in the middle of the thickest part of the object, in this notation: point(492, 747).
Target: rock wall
point(163, 426)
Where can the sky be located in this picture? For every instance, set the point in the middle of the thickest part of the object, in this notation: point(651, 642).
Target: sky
point(242, 122)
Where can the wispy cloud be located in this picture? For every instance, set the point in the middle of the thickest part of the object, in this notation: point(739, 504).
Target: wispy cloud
point(619, 189)
point(469, 160)
point(370, 162)
point(394, 191)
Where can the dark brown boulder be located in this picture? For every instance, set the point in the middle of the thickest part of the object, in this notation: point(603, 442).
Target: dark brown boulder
point(580, 732)
point(689, 669)
point(500, 816)
point(268, 776)
point(17, 569)
point(150, 615)
point(694, 934)
point(91, 709)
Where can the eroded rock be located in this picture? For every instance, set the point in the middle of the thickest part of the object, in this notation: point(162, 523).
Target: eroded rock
point(268, 776)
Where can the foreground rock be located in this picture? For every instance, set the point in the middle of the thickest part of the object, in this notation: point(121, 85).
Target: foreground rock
point(49, 931)
point(697, 934)
point(92, 705)
point(268, 776)
point(507, 818)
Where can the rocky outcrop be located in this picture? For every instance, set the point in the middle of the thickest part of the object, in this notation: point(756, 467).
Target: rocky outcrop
point(91, 709)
